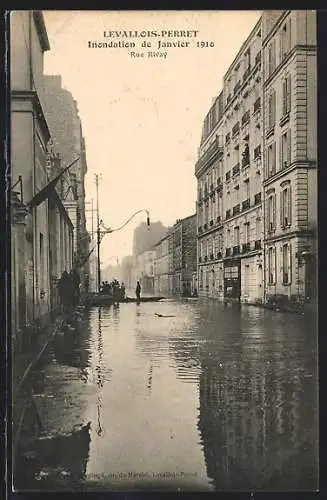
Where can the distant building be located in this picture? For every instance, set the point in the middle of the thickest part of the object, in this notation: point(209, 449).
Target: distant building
point(143, 271)
point(163, 265)
point(66, 130)
point(146, 237)
point(184, 255)
point(126, 272)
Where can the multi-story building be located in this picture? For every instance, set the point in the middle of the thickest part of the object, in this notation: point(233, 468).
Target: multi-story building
point(209, 171)
point(184, 255)
point(163, 266)
point(143, 270)
point(251, 168)
point(242, 192)
point(65, 125)
point(290, 135)
point(36, 254)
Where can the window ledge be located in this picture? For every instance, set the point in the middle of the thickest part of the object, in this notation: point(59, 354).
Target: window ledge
point(284, 119)
point(270, 131)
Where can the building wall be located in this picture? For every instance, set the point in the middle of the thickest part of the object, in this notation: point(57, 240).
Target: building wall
point(288, 239)
point(262, 139)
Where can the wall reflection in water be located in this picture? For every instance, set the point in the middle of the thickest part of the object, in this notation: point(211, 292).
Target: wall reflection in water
point(258, 408)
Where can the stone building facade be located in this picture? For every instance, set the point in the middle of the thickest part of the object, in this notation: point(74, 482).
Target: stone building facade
point(290, 135)
point(163, 266)
point(184, 255)
point(256, 171)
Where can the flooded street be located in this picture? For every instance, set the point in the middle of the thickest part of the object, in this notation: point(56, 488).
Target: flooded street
point(200, 398)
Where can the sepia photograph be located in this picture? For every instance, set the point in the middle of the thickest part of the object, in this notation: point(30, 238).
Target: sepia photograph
point(164, 250)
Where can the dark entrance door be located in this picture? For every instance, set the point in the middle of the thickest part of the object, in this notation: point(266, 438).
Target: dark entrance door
point(232, 279)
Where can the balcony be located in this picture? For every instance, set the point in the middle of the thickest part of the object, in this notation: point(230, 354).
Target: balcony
point(237, 87)
point(228, 214)
point(246, 204)
point(257, 105)
point(227, 175)
point(228, 252)
point(236, 249)
point(236, 169)
point(209, 156)
point(257, 152)
point(246, 247)
point(236, 129)
point(257, 198)
point(236, 209)
point(257, 245)
point(219, 255)
point(246, 73)
point(245, 118)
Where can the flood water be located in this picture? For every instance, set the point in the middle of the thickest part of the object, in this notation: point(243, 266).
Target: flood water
point(200, 398)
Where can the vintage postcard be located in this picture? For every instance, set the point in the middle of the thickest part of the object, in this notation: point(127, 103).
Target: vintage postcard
point(164, 250)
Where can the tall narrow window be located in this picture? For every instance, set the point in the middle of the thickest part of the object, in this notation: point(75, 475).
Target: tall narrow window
point(271, 215)
point(271, 159)
point(247, 232)
point(236, 236)
point(271, 57)
point(41, 261)
point(271, 266)
point(286, 264)
point(286, 106)
point(286, 207)
point(271, 109)
point(285, 149)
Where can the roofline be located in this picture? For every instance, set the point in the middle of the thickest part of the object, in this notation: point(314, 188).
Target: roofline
point(258, 23)
point(41, 29)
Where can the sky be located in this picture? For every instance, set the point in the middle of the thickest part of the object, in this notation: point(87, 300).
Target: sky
point(142, 117)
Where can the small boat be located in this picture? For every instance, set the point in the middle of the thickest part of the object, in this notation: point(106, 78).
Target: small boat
point(103, 299)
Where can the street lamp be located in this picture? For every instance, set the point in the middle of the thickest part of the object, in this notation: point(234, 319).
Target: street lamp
point(108, 230)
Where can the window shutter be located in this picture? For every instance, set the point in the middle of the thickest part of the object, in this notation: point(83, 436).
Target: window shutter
point(280, 153)
point(281, 209)
point(273, 55)
point(274, 264)
point(289, 83)
point(274, 210)
point(289, 263)
point(273, 104)
point(284, 97)
point(274, 157)
point(289, 205)
point(289, 147)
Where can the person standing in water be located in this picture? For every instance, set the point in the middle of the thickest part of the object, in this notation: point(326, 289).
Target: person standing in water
point(138, 290)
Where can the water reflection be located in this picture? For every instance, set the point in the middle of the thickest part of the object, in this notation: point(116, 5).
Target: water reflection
point(226, 397)
point(252, 420)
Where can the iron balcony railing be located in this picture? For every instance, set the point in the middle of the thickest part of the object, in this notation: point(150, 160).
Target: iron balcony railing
point(246, 204)
point(209, 156)
point(236, 209)
point(236, 249)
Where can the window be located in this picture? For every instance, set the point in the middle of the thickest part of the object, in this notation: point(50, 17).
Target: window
point(285, 207)
point(236, 236)
point(271, 265)
point(271, 57)
point(285, 39)
point(213, 246)
point(271, 212)
point(271, 109)
point(42, 270)
point(286, 108)
point(271, 159)
point(247, 232)
point(286, 264)
point(285, 149)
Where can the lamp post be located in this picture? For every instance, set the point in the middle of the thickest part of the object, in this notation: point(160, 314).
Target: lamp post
point(108, 230)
